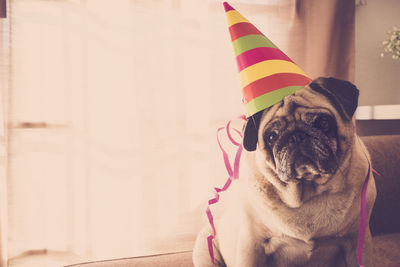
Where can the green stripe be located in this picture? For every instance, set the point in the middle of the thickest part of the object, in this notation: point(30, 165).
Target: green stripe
point(251, 41)
point(266, 100)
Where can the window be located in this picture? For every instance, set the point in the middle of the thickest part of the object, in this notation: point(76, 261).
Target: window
point(113, 108)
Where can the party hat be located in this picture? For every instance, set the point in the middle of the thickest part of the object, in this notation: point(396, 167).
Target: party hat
point(267, 75)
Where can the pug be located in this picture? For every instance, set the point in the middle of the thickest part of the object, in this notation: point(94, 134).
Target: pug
point(298, 201)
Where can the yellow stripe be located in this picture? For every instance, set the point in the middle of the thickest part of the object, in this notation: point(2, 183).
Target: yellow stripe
point(234, 17)
point(267, 68)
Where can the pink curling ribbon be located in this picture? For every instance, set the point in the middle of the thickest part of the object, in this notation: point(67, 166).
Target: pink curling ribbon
point(233, 174)
point(363, 218)
point(363, 208)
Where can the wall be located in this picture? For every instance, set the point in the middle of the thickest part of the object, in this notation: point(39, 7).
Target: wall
point(377, 78)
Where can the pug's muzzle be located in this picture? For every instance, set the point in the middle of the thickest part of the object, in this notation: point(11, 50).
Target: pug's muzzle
point(305, 154)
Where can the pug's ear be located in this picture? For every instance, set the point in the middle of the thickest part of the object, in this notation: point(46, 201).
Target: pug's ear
point(250, 132)
point(342, 94)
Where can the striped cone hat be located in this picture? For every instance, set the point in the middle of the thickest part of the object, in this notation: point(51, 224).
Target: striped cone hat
point(267, 75)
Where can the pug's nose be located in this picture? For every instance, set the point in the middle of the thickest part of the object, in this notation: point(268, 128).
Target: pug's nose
point(306, 169)
point(297, 137)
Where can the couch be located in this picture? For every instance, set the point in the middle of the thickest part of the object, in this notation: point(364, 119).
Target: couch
point(385, 218)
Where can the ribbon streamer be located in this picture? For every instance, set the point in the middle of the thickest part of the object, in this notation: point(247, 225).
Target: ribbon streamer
point(363, 207)
point(363, 218)
point(233, 174)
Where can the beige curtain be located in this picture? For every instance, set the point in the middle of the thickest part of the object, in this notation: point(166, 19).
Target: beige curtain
point(322, 37)
point(4, 86)
point(113, 111)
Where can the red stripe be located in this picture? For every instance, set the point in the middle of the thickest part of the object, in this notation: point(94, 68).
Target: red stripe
point(241, 29)
point(228, 7)
point(272, 83)
point(259, 54)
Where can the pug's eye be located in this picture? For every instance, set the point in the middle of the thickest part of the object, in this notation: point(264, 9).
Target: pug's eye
point(271, 137)
point(323, 123)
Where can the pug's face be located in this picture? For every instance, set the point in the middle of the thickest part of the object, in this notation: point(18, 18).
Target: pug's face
point(306, 136)
point(301, 142)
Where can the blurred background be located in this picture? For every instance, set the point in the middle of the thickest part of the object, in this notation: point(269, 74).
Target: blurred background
point(109, 111)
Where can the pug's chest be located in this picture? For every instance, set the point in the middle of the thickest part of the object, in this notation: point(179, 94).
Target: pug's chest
point(310, 226)
point(323, 218)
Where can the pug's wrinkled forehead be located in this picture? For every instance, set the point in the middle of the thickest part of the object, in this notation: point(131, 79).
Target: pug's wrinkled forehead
point(293, 107)
point(330, 95)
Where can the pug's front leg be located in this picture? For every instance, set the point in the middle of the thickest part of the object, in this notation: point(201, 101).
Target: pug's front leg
point(249, 251)
point(251, 256)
